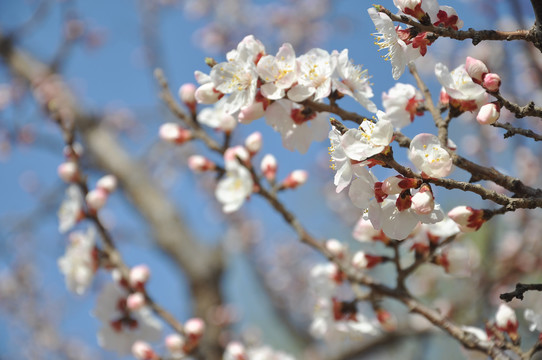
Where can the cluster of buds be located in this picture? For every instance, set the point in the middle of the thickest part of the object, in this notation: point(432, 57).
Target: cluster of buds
point(480, 75)
point(177, 345)
point(97, 197)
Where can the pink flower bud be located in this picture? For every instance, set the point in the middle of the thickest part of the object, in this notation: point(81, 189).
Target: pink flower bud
point(506, 320)
point(251, 112)
point(361, 260)
point(143, 351)
point(231, 154)
point(397, 184)
point(235, 350)
point(139, 275)
point(68, 171)
point(198, 163)
point(227, 123)
point(135, 301)
point(96, 199)
point(269, 167)
point(491, 82)
point(476, 69)
point(335, 247)
point(488, 114)
point(174, 133)
point(253, 142)
point(207, 94)
point(175, 343)
point(108, 183)
point(187, 95)
point(294, 179)
point(423, 201)
point(467, 218)
point(194, 328)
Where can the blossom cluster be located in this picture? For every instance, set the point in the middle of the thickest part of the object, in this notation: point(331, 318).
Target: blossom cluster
point(406, 45)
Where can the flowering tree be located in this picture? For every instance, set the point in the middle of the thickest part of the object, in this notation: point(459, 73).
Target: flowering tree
point(411, 240)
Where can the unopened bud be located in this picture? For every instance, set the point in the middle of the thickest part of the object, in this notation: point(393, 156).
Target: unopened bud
point(135, 301)
point(476, 69)
point(488, 114)
point(194, 328)
point(96, 199)
point(236, 351)
point(198, 163)
point(467, 218)
point(236, 152)
point(253, 142)
point(139, 275)
point(143, 351)
point(187, 94)
point(107, 183)
point(207, 94)
point(269, 167)
point(336, 248)
point(361, 260)
point(68, 171)
point(294, 179)
point(174, 133)
point(175, 343)
point(506, 321)
point(492, 82)
point(423, 201)
point(251, 112)
point(397, 184)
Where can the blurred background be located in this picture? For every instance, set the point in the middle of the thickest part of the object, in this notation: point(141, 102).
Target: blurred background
point(105, 52)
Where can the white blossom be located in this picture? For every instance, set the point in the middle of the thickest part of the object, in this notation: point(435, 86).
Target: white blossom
point(80, 261)
point(401, 103)
point(233, 189)
point(314, 76)
point(353, 81)
point(71, 209)
point(368, 140)
point(429, 156)
point(278, 72)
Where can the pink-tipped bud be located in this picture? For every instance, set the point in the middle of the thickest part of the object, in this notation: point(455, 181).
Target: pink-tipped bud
point(467, 218)
point(423, 201)
point(236, 351)
point(174, 133)
point(96, 199)
point(68, 171)
point(295, 178)
point(492, 82)
point(269, 167)
point(227, 123)
point(251, 112)
point(476, 69)
point(253, 142)
point(444, 98)
point(198, 163)
point(108, 183)
point(207, 94)
point(175, 344)
point(506, 321)
point(397, 184)
point(361, 260)
point(139, 275)
point(235, 152)
point(135, 301)
point(187, 94)
point(194, 328)
point(336, 248)
point(143, 351)
point(488, 114)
